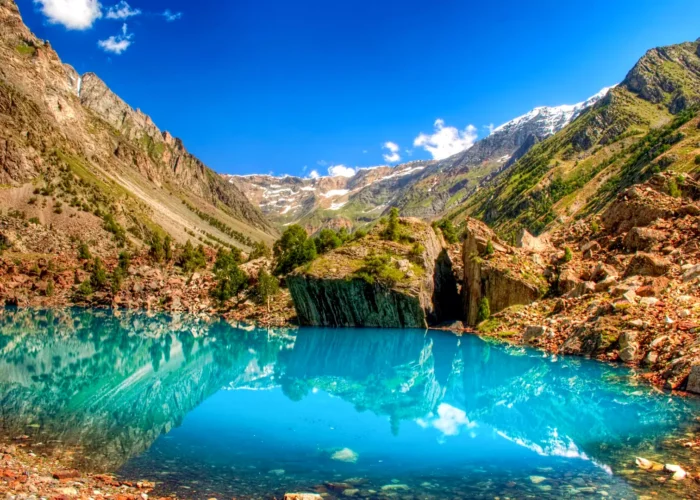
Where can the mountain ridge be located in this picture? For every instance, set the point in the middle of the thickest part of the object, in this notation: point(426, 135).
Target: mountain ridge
point(367, 195)
point(74, 154)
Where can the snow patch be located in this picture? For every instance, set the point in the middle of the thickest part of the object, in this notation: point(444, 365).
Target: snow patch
point(335, 192)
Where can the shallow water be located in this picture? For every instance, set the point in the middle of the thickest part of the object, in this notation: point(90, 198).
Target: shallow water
point(209, 410)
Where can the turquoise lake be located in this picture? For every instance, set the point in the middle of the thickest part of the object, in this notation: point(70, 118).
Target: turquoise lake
point(207, 409)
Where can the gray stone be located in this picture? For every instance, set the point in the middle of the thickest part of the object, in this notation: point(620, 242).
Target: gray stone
point(694, 379)
point(534, 332)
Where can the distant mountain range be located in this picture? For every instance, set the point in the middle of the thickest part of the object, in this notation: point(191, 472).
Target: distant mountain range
point(420, 188)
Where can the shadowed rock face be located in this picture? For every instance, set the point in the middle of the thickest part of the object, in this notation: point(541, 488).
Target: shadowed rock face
point(340, 302)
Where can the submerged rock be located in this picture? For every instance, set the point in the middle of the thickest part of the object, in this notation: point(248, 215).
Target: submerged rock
point(345, 455)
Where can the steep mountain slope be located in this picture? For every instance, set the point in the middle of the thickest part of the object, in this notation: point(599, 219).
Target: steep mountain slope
point(75, 157)
point(421, 188)
point(644, 125)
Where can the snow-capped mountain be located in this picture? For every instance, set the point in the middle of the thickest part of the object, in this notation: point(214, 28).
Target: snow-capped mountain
point(420, 188)
point(550, 119)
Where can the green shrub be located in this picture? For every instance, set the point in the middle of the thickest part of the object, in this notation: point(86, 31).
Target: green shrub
point(117, 279)
point(35, 220)
point(124, 260)
point(157, 250)
point(327, 240)
point(229, 278)
point(84, 290)
point(392, 231)
point(49, 288)
point(416, 253)
point(489, 248)
point(293, 249)
point(84, 251)
point(379, 268)
point(673, 189)
point(568, 254)
point(595, 227)
point(358, 235)
point(484, 310)
point(697, 159)
point(98, 275)
point(112, 226)
point(192, 259)
point(267, 287)
point(448, 230)
point(260, 249)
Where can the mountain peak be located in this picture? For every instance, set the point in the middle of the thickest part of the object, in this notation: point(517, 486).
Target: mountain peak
point(551, 119)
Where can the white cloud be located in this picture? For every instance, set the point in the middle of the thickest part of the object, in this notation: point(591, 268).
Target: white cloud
point(490, 127)
point(341, 171)
point(314, 174)
point(122, 11)
point(171, 16)
point(450, 420)
point(117, 44)
point(446, 141)
point(393, 155)
point(73, 14)
point(322, 163)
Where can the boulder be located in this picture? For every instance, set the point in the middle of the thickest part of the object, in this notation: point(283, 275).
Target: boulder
point(534, 332)
point(646, 264)
point(590, 248)
point(692, 273)
point(642, 238)
point(581, 289)
point(693, 384)
point(628, 345)
point(588, 340)
point(568, 281)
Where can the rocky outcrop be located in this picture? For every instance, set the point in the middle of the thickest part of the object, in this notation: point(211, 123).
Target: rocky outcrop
point(340, 289)
point(505, 277)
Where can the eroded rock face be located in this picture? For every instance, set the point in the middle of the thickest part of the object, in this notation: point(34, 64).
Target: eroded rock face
point(329, 292)
point(507, 277)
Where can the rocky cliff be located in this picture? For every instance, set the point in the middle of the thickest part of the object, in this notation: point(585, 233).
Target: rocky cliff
point(374, 282)
point(496, 274)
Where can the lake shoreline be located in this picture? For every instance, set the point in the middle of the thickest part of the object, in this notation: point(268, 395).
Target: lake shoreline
point(22, 471)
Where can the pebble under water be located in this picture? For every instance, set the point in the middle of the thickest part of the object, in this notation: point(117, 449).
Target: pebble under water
point(207, 409)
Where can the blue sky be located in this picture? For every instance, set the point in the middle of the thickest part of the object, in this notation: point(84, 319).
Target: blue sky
point(289, 87)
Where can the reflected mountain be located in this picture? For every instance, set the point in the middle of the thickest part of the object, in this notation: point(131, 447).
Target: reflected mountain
point(108, 384)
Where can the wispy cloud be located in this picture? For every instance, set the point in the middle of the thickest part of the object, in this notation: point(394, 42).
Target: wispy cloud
point(73, 14)
point(117, 44)
point(490, 127)
point(446, 141)
point(393, 155)
point(314, 174)
point(171, 16)
point(122, 11)
point(321, 163)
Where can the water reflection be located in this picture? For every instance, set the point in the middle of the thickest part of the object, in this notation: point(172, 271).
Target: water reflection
point(125, 391)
